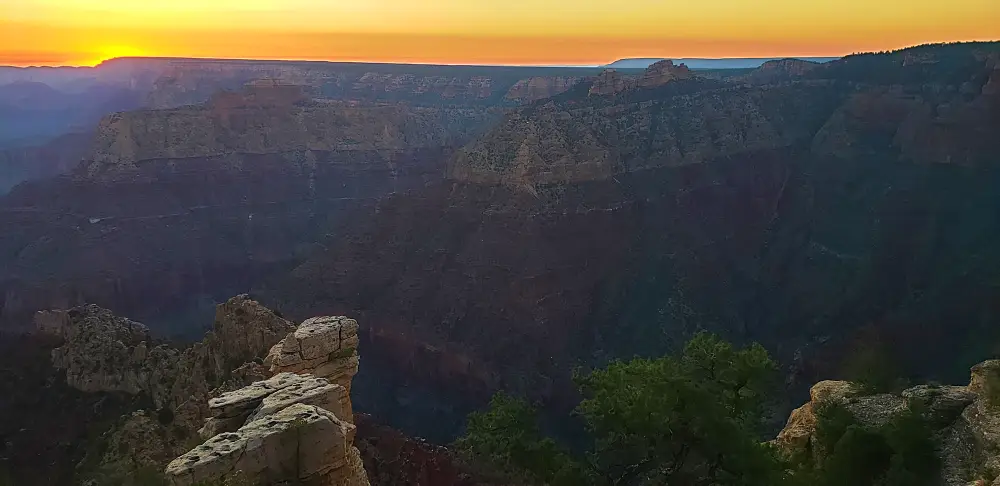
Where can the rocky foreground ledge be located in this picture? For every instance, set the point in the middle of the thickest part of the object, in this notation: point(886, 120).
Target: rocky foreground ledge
point(271, 398)
point(965, 422)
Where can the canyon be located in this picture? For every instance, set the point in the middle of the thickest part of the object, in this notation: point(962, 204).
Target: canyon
point(498, 234)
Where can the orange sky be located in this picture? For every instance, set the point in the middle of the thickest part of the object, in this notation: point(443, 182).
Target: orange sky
point(84, 32)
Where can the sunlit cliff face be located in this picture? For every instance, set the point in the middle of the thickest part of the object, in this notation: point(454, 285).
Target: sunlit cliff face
point(477, 31)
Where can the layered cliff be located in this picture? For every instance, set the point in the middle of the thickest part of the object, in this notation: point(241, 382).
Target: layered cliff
point(591, 227)
point(188, 82)
point(782, 70)
point(173, 208)
point(567, 143)
point(274, 119)
point(540, 87)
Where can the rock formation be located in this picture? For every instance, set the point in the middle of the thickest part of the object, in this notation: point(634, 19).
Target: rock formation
point(965, 419)
point(252, 408)
point(559, 143)
point(172, 208)
point(186, 82)
point(295, 430)
point(663, 72)
point(105, 353)
point(266, 118)
point(540, 87)
point(321, 346)
point(296, 425)
point(783, 214)
point(780, 71)
point(610, 82)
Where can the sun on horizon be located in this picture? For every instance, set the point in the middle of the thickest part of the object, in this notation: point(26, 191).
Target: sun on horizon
point(514, 32)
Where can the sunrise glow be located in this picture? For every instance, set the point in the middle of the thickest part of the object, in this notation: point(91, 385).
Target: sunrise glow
point(82, 32)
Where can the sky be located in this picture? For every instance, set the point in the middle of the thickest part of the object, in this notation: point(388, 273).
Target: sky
point(537, 32)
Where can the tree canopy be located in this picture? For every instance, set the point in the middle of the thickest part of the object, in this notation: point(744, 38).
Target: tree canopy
point(695, 419)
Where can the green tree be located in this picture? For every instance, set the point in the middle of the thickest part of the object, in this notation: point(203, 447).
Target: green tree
point(900, 453)
point(694, 419)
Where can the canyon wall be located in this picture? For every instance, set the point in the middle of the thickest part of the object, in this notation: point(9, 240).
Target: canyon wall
point(585, 228)
point(174, 209)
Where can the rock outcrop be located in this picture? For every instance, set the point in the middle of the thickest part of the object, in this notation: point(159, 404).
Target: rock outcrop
point(295, 426)
point(287, 428)
point(965, 420)
point(560, 143)
point(663, 72)
point(186, 82)
point(323, 346)
point(299, 444)
point(540, 87)
point(265, 118)
point(781, 70)
point(610, 82)
point(102, 352)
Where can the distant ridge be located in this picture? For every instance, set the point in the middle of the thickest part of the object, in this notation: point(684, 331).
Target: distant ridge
point(701, 63)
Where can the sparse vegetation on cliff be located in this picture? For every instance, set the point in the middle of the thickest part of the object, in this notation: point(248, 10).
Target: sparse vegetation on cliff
point(696, 419)
point(899, 453)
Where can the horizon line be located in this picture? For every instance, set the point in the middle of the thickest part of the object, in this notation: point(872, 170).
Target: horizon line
point(403, 63)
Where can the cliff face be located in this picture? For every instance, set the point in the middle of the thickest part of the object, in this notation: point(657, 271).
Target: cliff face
point(188, 82)
point(539, 87)
point(273, 119)
point(782, 70)
point(176, 207)
point(558, 143)
point(593, 227)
